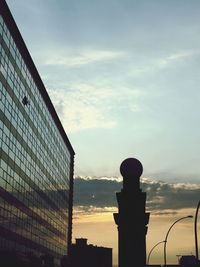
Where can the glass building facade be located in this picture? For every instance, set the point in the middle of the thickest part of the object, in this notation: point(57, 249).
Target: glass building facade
point(36, 157)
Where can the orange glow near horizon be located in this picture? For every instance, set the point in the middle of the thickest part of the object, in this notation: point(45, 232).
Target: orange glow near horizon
point(99, 228)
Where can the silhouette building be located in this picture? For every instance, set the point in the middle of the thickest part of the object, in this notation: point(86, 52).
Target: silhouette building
point(131, 218)
point(36, 157)
point(188, 261)
point(83, 254)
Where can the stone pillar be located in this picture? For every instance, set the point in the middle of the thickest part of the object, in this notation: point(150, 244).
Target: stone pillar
point(131, 218)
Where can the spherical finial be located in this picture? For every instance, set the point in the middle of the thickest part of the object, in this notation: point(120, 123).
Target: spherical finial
point(131, 167)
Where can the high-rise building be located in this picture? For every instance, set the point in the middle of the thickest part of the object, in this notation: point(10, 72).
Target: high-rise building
point(36, 157)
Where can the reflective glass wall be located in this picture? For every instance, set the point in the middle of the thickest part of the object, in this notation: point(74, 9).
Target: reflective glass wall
point(35, 162)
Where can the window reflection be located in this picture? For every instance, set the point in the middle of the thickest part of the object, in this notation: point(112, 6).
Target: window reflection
point(35, 161)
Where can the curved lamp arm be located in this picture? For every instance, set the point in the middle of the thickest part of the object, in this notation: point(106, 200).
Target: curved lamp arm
point(195, 232)
point(153, 249)
point(165, 245)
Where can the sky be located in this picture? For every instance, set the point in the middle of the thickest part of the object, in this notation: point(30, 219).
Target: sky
point(124, 79)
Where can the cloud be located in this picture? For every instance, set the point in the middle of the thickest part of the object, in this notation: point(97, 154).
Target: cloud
point(78, 111)
point(161, 62)
point(95, 192)
point(82, 58)
point(167, 212)
point(162, 198)
point(85, 106)
point(175, 58)
point(92, 213)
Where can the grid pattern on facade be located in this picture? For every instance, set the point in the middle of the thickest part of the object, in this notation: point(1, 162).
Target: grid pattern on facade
point(35, 161)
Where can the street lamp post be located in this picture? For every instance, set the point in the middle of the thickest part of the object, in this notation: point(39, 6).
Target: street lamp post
point(195, 232)
point(153, 249)
point(165, 245)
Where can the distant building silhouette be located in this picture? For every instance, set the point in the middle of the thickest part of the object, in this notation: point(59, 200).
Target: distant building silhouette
point(131, 218)
point(184, 261)
point(36, 164)
point(84, 255)
point(188, 261)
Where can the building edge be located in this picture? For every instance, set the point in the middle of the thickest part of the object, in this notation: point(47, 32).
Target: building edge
point(70, 206)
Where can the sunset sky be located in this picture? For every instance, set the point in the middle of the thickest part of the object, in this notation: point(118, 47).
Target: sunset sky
point(124, 79)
